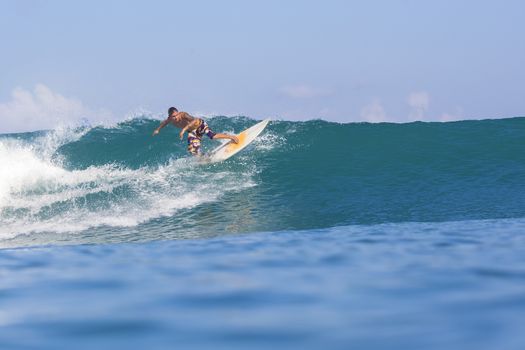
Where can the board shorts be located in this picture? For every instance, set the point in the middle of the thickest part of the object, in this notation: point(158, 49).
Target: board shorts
point(195, 136)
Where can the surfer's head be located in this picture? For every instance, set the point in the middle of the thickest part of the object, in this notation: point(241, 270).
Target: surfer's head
point(171, 110)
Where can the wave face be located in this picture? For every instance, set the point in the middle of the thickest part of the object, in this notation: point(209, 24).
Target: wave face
point(118, 184)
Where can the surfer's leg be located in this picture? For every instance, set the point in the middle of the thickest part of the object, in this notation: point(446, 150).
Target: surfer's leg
point(235, 139)
point(194, 145)
point(204, 129)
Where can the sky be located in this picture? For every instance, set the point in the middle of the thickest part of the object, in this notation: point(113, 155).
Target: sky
point(344, 61)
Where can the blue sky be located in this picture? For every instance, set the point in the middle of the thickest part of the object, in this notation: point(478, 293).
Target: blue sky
point(396, 60)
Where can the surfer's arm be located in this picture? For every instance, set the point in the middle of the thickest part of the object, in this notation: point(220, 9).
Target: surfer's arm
point(194, 124)
point(163, 124)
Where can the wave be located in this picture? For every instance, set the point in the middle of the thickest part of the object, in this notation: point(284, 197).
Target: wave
point(41, 191)
point(96, 183)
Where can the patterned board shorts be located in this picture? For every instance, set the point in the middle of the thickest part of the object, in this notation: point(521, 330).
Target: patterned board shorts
point(195, 136)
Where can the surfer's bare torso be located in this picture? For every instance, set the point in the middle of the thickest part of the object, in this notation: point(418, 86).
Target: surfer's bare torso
point(182, 120)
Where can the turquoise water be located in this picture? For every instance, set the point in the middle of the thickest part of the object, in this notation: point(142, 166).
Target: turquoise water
point(374, 236)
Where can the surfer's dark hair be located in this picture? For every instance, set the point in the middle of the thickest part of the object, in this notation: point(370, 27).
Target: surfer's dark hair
point(171, 110)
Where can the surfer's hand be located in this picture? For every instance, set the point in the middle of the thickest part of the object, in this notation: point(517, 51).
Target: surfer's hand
point(181, 135)
point(235, 139)
point(156, 132)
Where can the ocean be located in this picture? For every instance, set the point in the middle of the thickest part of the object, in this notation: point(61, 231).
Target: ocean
point(318, 235)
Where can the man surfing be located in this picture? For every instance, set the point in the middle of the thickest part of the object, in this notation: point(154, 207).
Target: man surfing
point(195, 127)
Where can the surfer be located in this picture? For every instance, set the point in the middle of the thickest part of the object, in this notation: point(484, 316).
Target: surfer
point(195, 127)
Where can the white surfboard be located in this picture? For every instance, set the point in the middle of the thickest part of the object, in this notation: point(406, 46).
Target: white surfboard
point(228, 149)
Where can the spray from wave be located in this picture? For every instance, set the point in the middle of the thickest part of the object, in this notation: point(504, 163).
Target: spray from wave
point(40, 192)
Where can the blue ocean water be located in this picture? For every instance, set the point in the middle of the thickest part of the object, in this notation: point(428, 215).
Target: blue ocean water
point(372, 236)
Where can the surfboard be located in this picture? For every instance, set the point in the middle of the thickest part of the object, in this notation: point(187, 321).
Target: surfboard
point(229, 148)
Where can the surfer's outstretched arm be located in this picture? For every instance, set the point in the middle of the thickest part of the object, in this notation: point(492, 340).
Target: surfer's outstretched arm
point(163, 124)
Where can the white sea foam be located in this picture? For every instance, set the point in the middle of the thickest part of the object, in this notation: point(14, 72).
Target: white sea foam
point(269, 141)
point(38, 194)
